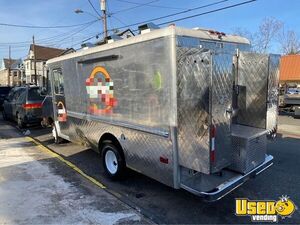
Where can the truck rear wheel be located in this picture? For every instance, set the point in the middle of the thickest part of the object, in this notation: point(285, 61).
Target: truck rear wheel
point(113, 161)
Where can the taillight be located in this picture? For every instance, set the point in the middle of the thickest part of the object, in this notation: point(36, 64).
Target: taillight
point(32, 106)
point(213, 131)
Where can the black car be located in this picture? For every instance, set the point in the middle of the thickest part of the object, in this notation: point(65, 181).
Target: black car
point(4, 91)
point(24, 105)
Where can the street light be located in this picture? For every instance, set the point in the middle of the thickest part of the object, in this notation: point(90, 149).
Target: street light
point(103, 18)
point(79, 11)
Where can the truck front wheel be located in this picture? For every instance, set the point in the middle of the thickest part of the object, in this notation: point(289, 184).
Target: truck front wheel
point(113, 161)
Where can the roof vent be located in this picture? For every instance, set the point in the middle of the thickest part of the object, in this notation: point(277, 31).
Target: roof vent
point(113, 38)
point(146, 28)
point(87, 45)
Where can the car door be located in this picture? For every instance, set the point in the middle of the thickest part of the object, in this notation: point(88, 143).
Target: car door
point(7, 106)
point(19, 103)
point(14, 102)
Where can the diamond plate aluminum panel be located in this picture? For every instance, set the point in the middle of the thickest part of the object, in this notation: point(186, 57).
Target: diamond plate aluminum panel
point(204, 94)
point(273, 85)
point(253, 85)
point(142, 150)
point(249, 147)
point(193, 82)
point(221, 104)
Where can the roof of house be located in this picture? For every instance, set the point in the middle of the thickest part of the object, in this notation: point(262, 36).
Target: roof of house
point(45, 53)
point(290, 68)
point(9, 62)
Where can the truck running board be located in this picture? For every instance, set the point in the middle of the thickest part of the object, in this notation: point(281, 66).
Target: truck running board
point(223, 189)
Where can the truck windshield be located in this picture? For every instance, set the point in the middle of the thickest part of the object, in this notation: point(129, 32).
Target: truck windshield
point(34, 94)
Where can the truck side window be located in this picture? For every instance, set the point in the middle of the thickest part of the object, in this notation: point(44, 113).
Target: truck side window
point(58, 82)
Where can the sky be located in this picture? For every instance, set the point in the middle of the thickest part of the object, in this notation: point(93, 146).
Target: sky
point(124, 13)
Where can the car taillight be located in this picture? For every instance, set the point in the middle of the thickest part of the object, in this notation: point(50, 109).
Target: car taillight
point(32, 106)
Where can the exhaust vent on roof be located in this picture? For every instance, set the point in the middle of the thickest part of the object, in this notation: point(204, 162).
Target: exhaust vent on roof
point(87, 45)
point(113, 38)
point(146, 28)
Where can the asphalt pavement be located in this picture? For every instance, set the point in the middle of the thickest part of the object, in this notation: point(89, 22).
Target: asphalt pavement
point(165, 205)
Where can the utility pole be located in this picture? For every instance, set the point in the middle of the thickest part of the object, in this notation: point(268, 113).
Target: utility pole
point(9, 66)
point(103, 9)
point(34, 60)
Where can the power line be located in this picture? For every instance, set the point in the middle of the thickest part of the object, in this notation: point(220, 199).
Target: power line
point(44, 27)
point(175, 20)
point(141, 22)
point(116, 18)
point(44, 40)
point(188, 17)
point(82, 29)
point(134, 7)
point(208, 12)
point(174, 14)
point(149, 5)
point(96, 11)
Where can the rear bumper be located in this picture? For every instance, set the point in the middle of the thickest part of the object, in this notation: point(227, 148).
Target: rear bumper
point(231, 184)
point(32, 119)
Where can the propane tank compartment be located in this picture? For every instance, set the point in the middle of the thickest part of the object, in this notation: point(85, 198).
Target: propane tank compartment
point(249, 147)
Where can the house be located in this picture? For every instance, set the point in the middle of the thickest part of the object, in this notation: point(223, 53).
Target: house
point(120, 34)
point(39, 54)
point(11, 72)
point(290, 69)
point(126, 34)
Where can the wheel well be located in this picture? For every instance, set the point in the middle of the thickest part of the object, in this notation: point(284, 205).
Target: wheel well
point(50, 121)
point(109, 138)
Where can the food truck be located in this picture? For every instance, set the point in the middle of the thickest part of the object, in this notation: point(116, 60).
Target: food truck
point(190, 108)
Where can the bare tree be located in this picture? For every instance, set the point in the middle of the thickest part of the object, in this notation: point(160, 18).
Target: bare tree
point(262, 39)
point(289, 42)
point(267, 33)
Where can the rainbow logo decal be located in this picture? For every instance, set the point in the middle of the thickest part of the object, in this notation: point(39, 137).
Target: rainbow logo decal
point(100, 89)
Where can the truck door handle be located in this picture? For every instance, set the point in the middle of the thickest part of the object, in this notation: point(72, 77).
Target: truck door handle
point(229, 111)
point(232, 112)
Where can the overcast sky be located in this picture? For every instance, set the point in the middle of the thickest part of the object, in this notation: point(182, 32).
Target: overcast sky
point(61, 12)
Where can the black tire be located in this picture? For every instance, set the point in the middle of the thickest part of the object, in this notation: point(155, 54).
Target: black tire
point(20, 121)
point(114, 167)
point(57, 139)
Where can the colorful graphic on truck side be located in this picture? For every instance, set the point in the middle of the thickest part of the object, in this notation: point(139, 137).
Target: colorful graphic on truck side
point(61, 112)
point(100, 90)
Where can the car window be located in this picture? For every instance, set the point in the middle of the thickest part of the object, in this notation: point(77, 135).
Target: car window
point(34, 94)
point(22, 97)
point(10, 95)
point(17, 93)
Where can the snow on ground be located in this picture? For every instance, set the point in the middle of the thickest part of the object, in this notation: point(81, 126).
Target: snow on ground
point(30, 193)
